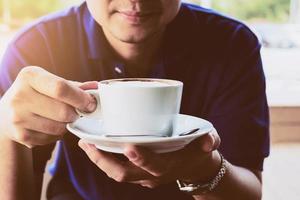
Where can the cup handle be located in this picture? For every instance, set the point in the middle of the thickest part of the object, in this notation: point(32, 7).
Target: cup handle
point(97, 113)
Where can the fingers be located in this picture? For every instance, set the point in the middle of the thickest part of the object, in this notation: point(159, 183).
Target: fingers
point(217, 139)
point(38, 104)
point(58, 88)
point(149, 161)
point(44, 125)
point(148, 183)
point(114, 168)
point(31, 138)
point(88, 85)
point(50, 108)
point(210, 141)
point(159, 164)
point(206, 144)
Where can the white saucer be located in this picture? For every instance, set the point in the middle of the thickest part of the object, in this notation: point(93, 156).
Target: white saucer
point(90, 131)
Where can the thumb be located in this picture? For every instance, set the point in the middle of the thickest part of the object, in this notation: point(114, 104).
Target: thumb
point(211, 141)
point(86, 102)
point(89, 85)
point(149, 161)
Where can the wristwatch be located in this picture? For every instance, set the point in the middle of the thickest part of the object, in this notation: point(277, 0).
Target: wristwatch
point(203, 188)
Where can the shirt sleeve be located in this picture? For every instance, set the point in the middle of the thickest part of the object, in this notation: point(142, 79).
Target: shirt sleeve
point(239, 110)
point(9, 69)
point(27, 49)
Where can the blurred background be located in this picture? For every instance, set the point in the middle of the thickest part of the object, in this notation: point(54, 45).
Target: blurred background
point(277, 25)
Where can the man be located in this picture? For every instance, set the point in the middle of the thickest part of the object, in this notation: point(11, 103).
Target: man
point(216, 58)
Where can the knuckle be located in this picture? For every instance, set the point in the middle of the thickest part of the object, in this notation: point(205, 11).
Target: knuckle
point(149, 184)
point(29, 146)
point(65, 114)
point(15, 117)
point(152, 185)
point(110, 176)
point(60, 129)
point(60, 88)
point(56, 129)
point(28, 72)
point(96, 159)
point(158, 173)
point(22, 137)
point(17, 100)
point(142, 162)
point(121, 176)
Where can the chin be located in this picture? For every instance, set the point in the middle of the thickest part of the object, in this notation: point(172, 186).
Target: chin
point(131, 38)
point(134, 37)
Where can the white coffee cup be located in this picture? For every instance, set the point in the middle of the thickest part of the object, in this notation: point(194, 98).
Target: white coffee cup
point(137, 106)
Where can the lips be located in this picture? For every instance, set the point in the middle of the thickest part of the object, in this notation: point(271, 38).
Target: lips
point(135, 13)
point(136, 17)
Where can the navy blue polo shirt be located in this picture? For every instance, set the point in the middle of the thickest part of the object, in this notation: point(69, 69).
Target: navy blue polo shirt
point(217, 59)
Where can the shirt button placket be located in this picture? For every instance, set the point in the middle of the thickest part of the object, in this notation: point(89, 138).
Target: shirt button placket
point(119, 69)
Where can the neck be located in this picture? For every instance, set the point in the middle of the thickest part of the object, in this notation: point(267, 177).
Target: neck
point(134, 54)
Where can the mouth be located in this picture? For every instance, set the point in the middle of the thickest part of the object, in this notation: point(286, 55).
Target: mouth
point(136, 17)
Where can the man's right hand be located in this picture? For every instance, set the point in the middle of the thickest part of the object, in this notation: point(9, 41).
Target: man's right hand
point(35, 109)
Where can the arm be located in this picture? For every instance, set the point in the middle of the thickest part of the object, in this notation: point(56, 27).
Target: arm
point(24, 122)
point(238, 183)
point(16, 171)
point(34, 110)
point(239, 111)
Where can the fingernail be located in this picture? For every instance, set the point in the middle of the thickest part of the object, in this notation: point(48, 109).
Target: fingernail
point(92, 106)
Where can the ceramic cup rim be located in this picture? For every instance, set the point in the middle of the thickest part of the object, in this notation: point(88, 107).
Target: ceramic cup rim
point(168, 82)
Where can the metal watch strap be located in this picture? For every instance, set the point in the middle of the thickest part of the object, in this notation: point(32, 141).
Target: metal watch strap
point(200, 188)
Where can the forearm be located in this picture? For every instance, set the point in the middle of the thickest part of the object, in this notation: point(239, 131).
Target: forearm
point(16, 172)
point(238, 183)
